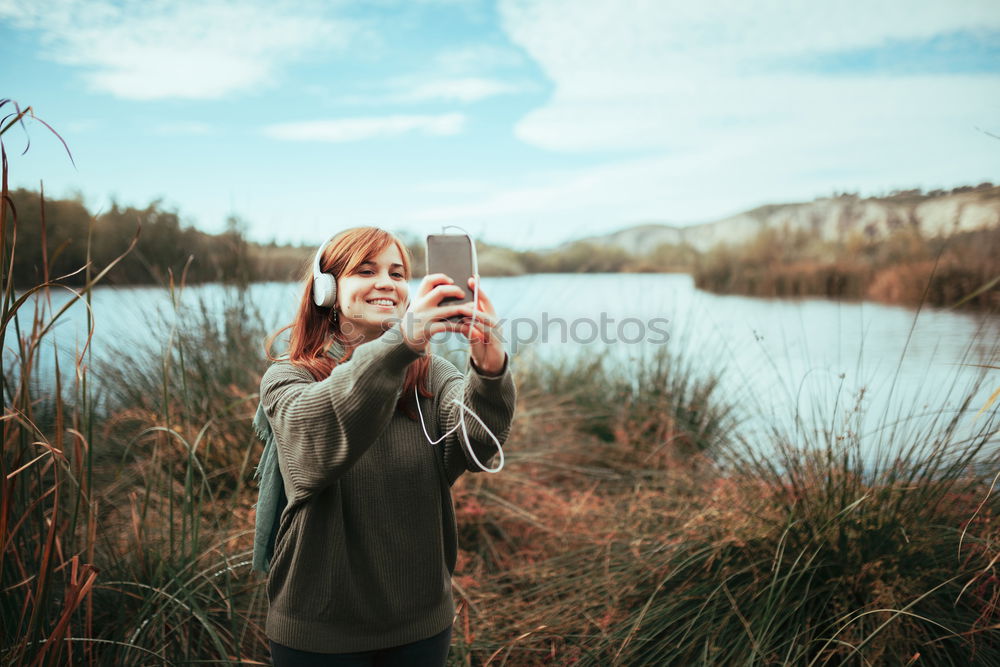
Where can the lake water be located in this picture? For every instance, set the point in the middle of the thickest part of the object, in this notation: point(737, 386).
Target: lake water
point(778, 357)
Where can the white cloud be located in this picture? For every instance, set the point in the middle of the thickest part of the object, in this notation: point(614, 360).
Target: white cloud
point(464, 74)
point(715, 101)
point(659, 73)
point(563, 34)
point(183, 128)
point(358, 129)
point(429, 88)
point(465, 89)
point(457, 75)
point(156, 50)
point(419, 89)
point(477, 57)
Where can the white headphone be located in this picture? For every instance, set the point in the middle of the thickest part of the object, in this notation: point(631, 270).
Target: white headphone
point(324, 284)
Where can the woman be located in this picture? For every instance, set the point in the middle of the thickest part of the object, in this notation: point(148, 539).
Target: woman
point(365, 548)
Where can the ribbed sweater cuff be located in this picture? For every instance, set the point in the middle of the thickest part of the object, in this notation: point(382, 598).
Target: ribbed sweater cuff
point(498, 376)
point(397, 355)
point(491, 385)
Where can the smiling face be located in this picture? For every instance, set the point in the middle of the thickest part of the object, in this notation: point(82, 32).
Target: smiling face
point(371, 296)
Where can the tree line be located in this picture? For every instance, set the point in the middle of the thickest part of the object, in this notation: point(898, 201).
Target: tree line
point(55, 238)
point(907, 267)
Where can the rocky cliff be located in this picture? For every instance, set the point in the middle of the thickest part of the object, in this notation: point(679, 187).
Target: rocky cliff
point(934, 214)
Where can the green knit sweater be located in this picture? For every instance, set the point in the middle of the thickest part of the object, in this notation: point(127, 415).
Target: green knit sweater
point(367, 544)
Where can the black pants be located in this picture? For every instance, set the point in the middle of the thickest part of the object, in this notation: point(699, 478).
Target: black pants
point(430, 652)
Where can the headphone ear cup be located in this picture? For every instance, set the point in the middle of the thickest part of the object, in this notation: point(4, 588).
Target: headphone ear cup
point(325, 290)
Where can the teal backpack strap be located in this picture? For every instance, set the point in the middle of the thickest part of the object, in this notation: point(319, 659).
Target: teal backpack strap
point(271, 499)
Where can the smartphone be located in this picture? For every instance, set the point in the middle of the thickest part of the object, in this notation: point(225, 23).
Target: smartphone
point(451, 254)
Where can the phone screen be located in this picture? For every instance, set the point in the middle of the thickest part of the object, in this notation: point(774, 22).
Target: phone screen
point(451, 254)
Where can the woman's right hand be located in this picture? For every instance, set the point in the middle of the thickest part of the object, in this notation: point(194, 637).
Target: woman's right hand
point(426, 317)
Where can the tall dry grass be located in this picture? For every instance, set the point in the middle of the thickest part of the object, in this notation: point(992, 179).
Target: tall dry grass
point(47, 515)
point(122, 542)
point(817, 553)
point(906, 268)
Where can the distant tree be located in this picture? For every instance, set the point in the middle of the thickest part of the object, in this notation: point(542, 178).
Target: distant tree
point(231, 253)
point(164, 247)
point(64, 223)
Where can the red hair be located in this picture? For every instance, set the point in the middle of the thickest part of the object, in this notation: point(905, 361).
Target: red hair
point(314, 326)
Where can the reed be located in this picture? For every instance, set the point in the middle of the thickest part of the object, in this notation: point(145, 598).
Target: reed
point(121, 543)
point(824, 555)
point(47, 514)
point(657, 405)
point(905, 268)
point(846, 544)
point(176, 416)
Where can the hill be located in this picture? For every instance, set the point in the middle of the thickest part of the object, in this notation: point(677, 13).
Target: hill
point(831, 219)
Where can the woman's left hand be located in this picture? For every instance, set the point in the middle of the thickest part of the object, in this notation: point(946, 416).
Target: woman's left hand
point(486, 342)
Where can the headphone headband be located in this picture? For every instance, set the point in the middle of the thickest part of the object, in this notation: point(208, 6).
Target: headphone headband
point(324, 284)
point(319, 255)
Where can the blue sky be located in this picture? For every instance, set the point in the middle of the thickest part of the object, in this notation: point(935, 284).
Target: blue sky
point(526, 122)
